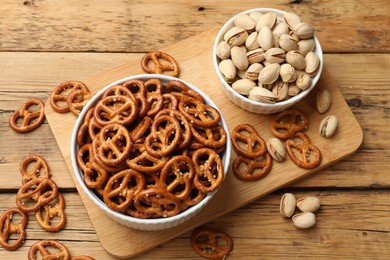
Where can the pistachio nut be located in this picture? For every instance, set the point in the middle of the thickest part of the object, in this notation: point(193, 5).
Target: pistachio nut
point(236, 36)
point(323, 100)
point(303, 81)
point(328, 126)
point(228, 70)
point(239, 58)
point(277, 150)
point(243, 86)
point(295, 59)
point(304, 31)
point(223, 50)
point(293, 90)
point(266, 20)
point(255, 16)
point(275, 55)
point(280, 29)
point(262, 95)
point(241, 74)
point(287, 72)
point(251, 42)
point(312, 63)
point(280, 89)
point(287, 205)
point(292, 20)
point(269, 74)
point(253, 71)
point(265, 38)
point(287, 42)
point(245, 22)
point(309, 204)
point(304, 220)
point(256, 55)
point(305, 46)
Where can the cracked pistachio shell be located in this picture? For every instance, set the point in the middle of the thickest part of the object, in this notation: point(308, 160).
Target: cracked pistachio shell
point(303, 81)
point(253, 71)
point(255, 15)
point(292, 20)
point(304, 31)
point(239, 58)
point(312, 63)
point(228, 70)
point(293, 90)
point(251, 42)
point(280, 89)
point(287, 72)
point(243, 86)
point(223, 50)
point(295, 59)
point(323, 100)
point(308, 204)
point(245, 22)
point(265, 38)
point(256, 55)
point(262, 95)
point(304, 220)
point(268, 19)
point(269, 74)
point(287, 42)
point(275, 55)
point(306, 46)
point(287, 204)
point(280, 29)
point(328, 126)
point(236, 36)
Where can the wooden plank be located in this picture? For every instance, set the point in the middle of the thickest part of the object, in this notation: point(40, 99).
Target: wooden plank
point(345, 142)
point(364, 85)
point(130, 26)
point(338, 233)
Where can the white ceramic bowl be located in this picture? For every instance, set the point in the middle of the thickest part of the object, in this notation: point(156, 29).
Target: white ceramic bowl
point(136, 223)
point(246, 103)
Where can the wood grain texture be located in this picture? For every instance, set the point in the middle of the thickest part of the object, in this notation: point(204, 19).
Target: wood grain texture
point(130, 26)
point(338, 233)
point(347, 139)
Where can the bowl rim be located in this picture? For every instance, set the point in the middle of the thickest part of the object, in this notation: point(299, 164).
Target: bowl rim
point(281, 104)
point(97, 201)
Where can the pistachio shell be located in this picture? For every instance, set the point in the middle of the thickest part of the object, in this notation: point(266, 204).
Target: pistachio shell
point(304, 31)
point(245, 22)
point(228, 70)
point(295, 59)
point(292, 20)
point(287, 72)
point(323, 100)
point(287, 203)
point(305, 46)
point(312, 63)
point(243, 86)
point(265, 38)
point(309, 204)
point(275, 55)
point(293, 90)
point(255, 16)
point(251, 42)
point(239, 58)
point(280, 89)
point(262, 95)
point(269, 74)
point(280, 28)
point(268, 19)
point(328, 126)
point(253, 71)
point(256, 55)
point(303, 81)
point(236, 36)
point(287, 42)
point(223, 50)
point(241, 74)
point(304, 220)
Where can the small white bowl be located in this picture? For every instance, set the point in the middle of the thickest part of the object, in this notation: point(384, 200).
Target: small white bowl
point(137, 223)
point(246, 103)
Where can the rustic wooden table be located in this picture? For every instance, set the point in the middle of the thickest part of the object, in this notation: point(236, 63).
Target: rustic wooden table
point(45, 42)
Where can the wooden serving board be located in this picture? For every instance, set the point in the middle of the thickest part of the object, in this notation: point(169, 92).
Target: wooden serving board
point(194, 56)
